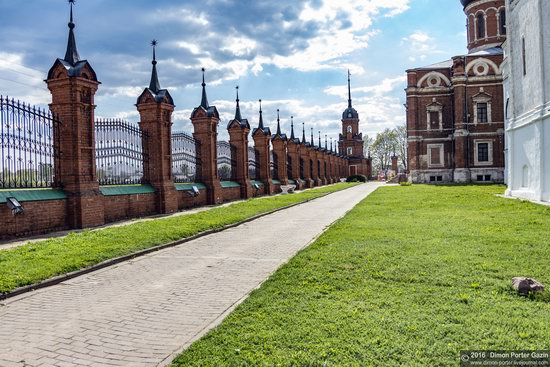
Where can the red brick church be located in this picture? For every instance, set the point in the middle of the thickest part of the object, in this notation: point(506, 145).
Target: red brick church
point(455, 114)
point(351, 143)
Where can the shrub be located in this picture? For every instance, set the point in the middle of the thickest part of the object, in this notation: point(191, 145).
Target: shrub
point(357, 178)
point(405, 183)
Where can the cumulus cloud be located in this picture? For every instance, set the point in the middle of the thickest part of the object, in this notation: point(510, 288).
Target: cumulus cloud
point(420, 45)
point(20, 81)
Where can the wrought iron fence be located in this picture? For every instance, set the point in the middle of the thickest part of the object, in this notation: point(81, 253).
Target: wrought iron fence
point(274, 165)
point(186, 163)
point(28, 157)
point(120, 152)
point(253, 165)
point(226, 162)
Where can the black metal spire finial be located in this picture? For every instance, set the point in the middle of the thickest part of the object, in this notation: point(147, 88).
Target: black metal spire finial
point(326, 142)
point(303, 132)
point(349, 89)
point(278, 123)
point(204, 100)
point(292, 137)
point(331, 144)
point(261, 122)
point(154, 85)
point(71, 55)
point(320, 139)
point(238, 116)
point(312, 141)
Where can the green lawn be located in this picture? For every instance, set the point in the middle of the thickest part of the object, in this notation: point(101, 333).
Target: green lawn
point(33, 263)
point(410, 277)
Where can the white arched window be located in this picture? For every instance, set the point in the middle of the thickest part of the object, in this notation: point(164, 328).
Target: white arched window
point(350, 130)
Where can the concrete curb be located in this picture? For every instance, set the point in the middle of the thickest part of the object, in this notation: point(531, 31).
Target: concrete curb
point(108, 263)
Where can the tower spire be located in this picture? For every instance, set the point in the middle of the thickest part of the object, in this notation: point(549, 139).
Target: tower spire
point(278, 123)
point(320, 139)
point(238, 116)
point(71, 55)
point(261, 123)
point(331, 145)
point(303, 133)
point(326, 142)
point(349, 89)
point(312, 141)
point(204, 100)
point(154, 85)
point(292, 137)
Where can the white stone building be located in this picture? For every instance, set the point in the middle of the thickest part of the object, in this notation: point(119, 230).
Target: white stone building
point(527, 99)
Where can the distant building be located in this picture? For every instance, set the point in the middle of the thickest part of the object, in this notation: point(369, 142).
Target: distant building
point(455, 112)
point(527, 92)
point(351, 143)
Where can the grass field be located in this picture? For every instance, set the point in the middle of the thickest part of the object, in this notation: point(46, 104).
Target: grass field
point(410, 277)
point(32, 263)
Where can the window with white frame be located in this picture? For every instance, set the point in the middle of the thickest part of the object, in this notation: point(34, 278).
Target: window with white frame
point(435, 155)
point(349, 151)
point(483, 152)
point(435, 116)
point(349, 129)
point(482, 107)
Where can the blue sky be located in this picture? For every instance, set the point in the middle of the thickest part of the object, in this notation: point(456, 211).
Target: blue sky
point(292, 54)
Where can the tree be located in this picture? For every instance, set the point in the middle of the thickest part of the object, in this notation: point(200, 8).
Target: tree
point(383, 148)
point(401, 135)
point(368, 145)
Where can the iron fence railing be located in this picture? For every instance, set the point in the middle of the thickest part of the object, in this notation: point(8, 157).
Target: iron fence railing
point(226, 162)
point(28, 158)
point(253, 165)
point(186, 163)
point(120, 152)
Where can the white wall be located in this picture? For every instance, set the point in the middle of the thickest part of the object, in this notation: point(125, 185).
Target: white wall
point(528, 123)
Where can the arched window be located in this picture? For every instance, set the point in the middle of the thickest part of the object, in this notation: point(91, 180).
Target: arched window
point(480, 26)
point(502, 24)
point(349, 129)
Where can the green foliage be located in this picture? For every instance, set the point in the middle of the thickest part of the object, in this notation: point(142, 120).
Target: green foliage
point(405, 183)
point(34, 262)
point(357, 178)
point(409, 277)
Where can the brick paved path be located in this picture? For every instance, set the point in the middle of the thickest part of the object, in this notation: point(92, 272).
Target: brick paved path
point(143, 312)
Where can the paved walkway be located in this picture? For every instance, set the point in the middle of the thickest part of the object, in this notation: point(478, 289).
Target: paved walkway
point(145, 311)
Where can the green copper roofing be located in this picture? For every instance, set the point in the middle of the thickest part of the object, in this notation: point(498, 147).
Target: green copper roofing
point(189, 186)
point(32, 195)
point(228, 184)
point(126, 190)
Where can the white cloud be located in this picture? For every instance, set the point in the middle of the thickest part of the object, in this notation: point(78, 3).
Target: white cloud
point(387, 85)
point(22, 82)
point(420, 45)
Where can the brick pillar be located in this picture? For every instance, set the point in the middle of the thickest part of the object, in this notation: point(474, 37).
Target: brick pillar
point(155, 110)
point(313, 169)
point(304, 155)
point(280, 150)
point(293, 151)
point(321, 167)
point(394, 164)
point(205, 120)
point(73, 89)
point(238, 138)
point(261, 145)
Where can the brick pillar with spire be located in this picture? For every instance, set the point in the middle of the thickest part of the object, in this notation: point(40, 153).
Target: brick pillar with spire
point(238, 129)
point(205, 120)
point(293, 150)
point(261, 136)
point(155, 107)
point(280, 144)
point(73, 84)
point(394, 167)
point(314, 165)
point(305, 152)
point(369, 167)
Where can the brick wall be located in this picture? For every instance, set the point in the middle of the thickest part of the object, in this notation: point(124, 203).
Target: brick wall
point(185, 200)
point(39, 217)
point(122, 207)
point(231, 193)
